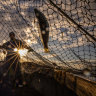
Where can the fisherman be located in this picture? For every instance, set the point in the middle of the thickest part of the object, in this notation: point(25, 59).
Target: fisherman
point(12, 63)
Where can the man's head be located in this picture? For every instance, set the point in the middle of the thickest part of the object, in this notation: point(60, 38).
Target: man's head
point(12, 35)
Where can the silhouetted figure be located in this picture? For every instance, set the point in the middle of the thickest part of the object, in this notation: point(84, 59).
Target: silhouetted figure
point(11, 68)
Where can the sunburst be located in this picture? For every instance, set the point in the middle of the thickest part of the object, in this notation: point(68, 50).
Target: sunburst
point(17, 52)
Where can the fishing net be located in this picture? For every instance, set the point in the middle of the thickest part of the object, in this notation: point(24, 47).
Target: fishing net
point(72, 26)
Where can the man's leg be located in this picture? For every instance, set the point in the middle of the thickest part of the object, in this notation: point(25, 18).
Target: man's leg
point(18, 75)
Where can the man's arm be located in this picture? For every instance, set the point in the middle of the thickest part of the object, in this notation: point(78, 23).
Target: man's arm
point(4, 46)
point(26, 46)
point(3, 50)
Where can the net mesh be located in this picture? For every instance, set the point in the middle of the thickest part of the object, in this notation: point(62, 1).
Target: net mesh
point(72, 26)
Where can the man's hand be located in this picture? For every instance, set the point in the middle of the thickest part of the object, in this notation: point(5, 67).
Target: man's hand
point(4, 51)
point(29, 49)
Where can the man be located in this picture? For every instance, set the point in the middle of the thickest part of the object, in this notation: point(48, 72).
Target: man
point(12, 65)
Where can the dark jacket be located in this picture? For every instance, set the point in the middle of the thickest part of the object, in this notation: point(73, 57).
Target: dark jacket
point(11, 45)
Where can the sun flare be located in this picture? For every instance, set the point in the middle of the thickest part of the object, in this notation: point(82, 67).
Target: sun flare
point(22, 52)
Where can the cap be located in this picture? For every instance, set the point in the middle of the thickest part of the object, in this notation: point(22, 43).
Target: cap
point(11, 33)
